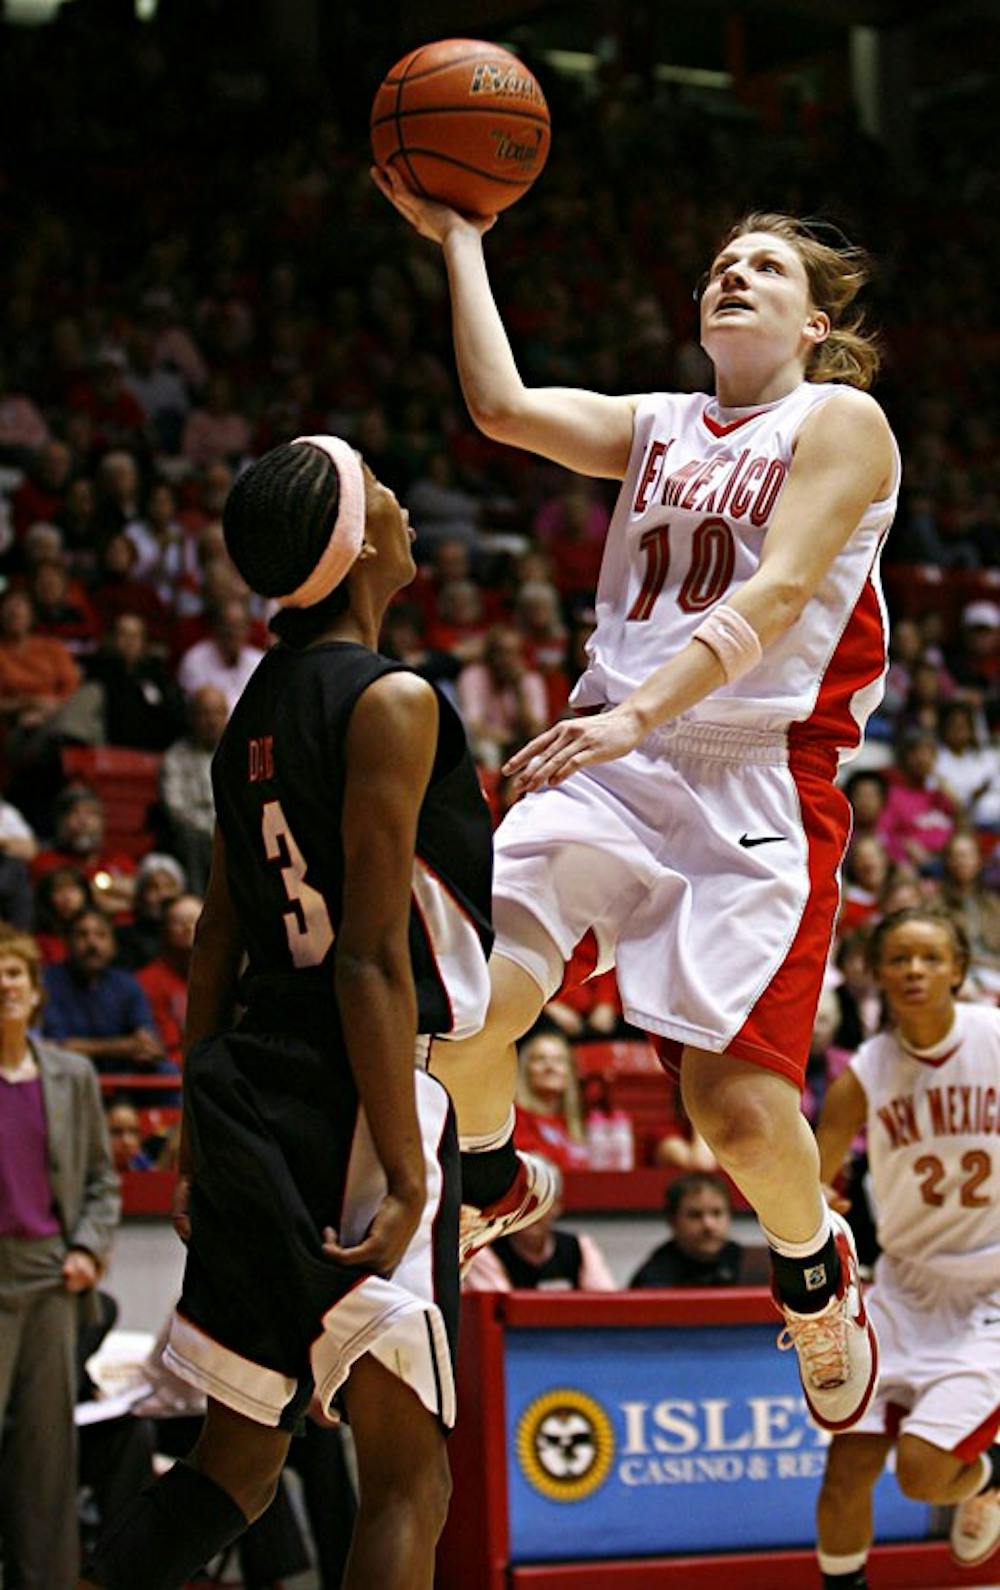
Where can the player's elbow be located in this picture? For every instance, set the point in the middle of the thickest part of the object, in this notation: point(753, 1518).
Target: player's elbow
point(787, 598)
point(498, 414)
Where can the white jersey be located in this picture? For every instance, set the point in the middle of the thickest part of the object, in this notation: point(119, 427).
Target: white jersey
point(934, 1149)
point(695, 505)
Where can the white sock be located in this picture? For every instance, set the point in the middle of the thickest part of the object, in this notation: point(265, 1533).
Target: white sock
point(489, 1140)
point(800, 1250)
point(986, 1479)
point(852, 1563)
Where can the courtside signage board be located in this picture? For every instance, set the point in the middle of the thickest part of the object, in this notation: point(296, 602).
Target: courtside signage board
point(629, 1442)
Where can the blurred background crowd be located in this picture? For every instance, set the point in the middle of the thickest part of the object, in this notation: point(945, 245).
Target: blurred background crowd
point(196, 267)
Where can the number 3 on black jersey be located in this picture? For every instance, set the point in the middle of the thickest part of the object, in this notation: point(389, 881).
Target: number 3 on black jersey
point(307, 924)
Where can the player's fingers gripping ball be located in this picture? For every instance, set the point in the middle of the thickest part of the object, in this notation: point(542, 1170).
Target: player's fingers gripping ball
point(462, 122)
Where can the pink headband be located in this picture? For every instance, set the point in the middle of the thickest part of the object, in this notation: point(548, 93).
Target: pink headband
point(348, 531)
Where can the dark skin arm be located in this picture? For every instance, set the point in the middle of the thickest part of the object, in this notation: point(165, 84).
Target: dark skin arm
point(215, 968)
point(390, 748)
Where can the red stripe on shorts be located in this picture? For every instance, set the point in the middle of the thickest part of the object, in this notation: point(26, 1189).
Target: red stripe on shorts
point(778, 1030)
point(981, 1438)
point(581, 964)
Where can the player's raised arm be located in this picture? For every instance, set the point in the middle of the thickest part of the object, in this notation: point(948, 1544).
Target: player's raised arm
point(585, 431)
point(390, 748)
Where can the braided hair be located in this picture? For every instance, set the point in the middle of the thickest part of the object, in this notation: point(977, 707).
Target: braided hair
point(277, 522)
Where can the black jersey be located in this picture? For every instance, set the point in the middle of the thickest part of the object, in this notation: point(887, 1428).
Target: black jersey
point(278, 777)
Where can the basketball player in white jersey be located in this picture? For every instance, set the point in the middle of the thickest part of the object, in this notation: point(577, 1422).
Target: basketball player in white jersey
point(687, 828)
point(928, 1091)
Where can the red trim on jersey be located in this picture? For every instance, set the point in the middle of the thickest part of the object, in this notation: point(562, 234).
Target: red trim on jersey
point(858, 660)
point(926, 1059)
point(778, 1030)
point(981, 1439)
point(723, 428)
point(581, 964)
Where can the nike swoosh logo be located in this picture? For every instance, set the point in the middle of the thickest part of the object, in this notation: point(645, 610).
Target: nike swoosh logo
point(769, 839)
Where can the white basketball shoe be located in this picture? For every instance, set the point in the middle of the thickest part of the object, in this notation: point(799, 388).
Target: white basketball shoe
point(975, 1528)
point(838, 1353)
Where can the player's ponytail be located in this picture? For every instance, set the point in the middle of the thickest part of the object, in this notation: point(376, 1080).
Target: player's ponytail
point(277, 523)
point(836, 270)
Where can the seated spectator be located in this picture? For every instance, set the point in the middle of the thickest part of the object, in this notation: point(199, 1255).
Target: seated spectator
point(115, 416)
point(60, 895)
point(157, 388)
point(142, 705)
point(966, 769)
point(866, 790)
point(857, 996)
point(503, 703)
point(591, 1009)
point(538, 617)
point(216, 431)
point(460, 623)
point(125, 1135)
point(826, 1061)
point(905, 648)
point(576, 522)
point(42, 494)
point(681, 1147)
point(918, 817)
point(548, 1119)
point(22, 429)
point(62, 607)
point(976, 906)
point(975, 660)
point(96, 1008)
point(79, 843)
point(866, 872)
point(38, 679)
point(402, 639)
point(159, 880)
point(441, 509)
point(118, 590)
point(226, 659)
point(165, 979)
point(186, 784)
point(167, 553)
point(540, 1258)
point(699, 1251)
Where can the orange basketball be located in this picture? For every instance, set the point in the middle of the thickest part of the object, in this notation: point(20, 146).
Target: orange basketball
point(463, 122)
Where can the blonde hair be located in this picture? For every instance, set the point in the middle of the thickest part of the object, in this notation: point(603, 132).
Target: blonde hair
point(569, 1105)
point(836, 272)
point(21, 945)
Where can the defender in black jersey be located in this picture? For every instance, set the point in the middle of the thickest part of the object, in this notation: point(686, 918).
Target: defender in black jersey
point(351, 885)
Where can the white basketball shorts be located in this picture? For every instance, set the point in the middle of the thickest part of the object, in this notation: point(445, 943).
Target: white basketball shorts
point(939, 1364)
point(705, 864)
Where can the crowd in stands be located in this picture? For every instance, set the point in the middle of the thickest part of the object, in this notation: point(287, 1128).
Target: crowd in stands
point(142, 365)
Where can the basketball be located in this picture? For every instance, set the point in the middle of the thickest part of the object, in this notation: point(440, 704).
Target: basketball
point(463, 122)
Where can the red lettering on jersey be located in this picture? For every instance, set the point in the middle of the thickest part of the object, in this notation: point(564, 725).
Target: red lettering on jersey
point(654, 459)
point(767, 495)
point(708, 506)
point(674, 484)
point(743, 496)
point(907, 1119)
point(935, 1104)
point(260, 753)
point(888, 1120)
point(731, 481)
point(990, 1121)
point(700, 480)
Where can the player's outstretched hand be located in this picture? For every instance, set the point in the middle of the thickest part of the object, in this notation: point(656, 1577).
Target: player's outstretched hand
point(386, 1239)
point(561, 750)
point(431, 219)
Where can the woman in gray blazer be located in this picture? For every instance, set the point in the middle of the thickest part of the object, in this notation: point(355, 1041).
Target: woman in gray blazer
point(59, 1205)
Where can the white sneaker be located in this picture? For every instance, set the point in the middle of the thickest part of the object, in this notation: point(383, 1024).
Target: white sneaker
point(532, 1195)
point(838, 1353)
point(975, 1529)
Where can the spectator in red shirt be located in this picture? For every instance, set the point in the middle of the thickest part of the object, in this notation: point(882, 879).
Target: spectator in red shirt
point(548, 1119)
point(165, 979)
point(113, 412)
point(502, 702)
point(216, 431)
point(918, 817)
point(59, 896)
point(79, 843)
point(118, 591)
point(63, 609)
point(42, 495)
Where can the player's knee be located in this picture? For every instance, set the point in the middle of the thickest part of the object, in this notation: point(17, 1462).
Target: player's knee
point(738, 1129)
point(920, 1480)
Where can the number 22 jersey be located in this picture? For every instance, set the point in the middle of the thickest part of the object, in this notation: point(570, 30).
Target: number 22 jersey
point(698, 497)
